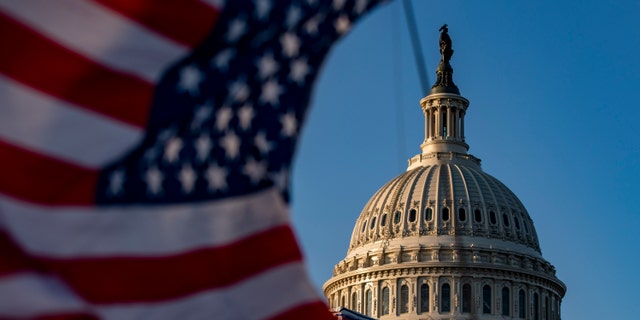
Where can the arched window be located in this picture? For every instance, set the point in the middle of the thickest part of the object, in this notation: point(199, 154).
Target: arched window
point(412, 215)
point(383, 220)
point(506, 301)
point(404, 299)
point(445, 301)
point(428, 214)
point(505, 219)
point(424, 298)
point(445, 214)
point(477, 215)
point(486, 299)
point(492, 217)
point(354, 302)
point(373, 223)
point(344, 302)
point(536, 307)
point(462, 214)
point(396, 217)
point(466, 297)
point(517, 222)
point(384, 304)
point(522, 304)
point(364, 225)
point(368, 302)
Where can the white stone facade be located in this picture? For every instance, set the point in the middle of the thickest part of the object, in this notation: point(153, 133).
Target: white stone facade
point(445, 240)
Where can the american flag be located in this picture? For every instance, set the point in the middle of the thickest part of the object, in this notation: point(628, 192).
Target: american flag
point(145, 152)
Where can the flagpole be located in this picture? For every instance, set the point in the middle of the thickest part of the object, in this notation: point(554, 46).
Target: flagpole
point(415, 43)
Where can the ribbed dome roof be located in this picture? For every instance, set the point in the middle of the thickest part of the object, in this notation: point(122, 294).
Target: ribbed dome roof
point(444, 195)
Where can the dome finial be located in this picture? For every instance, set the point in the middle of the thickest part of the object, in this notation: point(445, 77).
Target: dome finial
point(444, 72)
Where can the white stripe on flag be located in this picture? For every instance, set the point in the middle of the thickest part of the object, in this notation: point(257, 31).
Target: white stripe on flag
point(27, 295)
point(99, 34)
point(41, 123)
point(144, 230)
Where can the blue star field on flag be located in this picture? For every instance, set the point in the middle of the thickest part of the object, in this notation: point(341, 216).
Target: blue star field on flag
point(225, 120)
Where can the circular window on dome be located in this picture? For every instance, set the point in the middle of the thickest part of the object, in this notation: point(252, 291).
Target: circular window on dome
point(445, 214)
point(373, 223)
point(428, 214)
point(412, 215)
point(462, 214)
point(383, 220)
point(492, 217)
point(505, 219)
point(364, 226)
point(396, 217)
point(477, 215)
point(517, 222)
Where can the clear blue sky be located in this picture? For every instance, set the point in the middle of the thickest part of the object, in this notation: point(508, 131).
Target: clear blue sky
point(554, 115)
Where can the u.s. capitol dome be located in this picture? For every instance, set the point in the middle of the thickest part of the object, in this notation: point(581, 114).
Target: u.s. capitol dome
point(445, 240)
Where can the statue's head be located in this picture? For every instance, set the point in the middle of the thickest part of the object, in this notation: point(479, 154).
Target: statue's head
point(444, 28)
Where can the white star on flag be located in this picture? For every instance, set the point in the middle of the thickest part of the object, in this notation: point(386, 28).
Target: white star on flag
point(217, 177)
point(190, 78)
point(262, 143)
point(172, 149)
point(203, 146)
point(281, 178)
point(271, 91)
point(294, 14)
point(231, 144)
point(311, 26)
point(299, 71)
point(116, 181)
point(290, 44)
point(153, 178)
point(338, 4)
point(239, 90)
point(202, 114)
point(263, 7)
point(223, 116)
point(222, 59)
point(237, 28)
point(267, 66)
point(245, 114)
point(342, 24)
point(256, 170)
point(187, 177)
point(289, 124)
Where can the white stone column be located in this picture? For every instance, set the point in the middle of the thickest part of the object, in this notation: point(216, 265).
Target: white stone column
point(427, 126)
point(461, 125)
point(433, 122)
point(439, 122)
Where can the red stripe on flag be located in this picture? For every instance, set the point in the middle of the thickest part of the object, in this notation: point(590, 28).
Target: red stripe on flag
point(65, 316)
point(186, 22)
point(13, 258)
point(38, 62)
point(311, 311)
point(68, 316)
point(40, 179)
point(146, 279)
